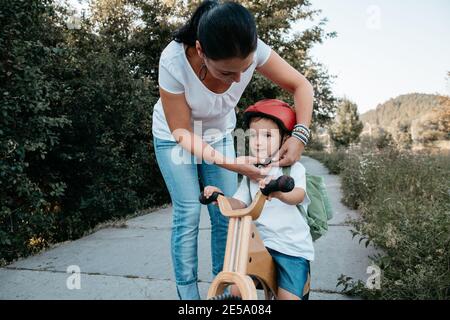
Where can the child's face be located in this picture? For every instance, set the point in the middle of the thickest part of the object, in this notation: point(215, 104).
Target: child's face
point(265, 138)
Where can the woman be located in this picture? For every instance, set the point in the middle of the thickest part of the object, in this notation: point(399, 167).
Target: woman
point(202, 75)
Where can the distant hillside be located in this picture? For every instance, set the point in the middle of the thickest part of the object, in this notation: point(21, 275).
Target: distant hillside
point(401, 110)
point(422, 117)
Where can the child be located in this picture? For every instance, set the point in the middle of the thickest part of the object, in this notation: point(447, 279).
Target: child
point(283, 229)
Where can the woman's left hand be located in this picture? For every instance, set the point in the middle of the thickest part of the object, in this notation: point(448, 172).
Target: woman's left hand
point(289, 153)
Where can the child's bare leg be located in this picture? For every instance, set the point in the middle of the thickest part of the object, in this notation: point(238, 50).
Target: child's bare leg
point(234, 290)
point(286, 295)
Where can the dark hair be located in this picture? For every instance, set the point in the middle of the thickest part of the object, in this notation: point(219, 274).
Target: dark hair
point(256, 116)
point(226, 30)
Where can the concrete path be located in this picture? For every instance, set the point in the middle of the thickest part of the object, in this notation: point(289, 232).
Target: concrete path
point(134, 262)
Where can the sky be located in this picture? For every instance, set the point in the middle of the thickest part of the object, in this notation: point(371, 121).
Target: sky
point(385, 48)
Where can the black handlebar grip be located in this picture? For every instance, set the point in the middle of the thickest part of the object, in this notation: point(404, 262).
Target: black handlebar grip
point(283, 184)
point(213, 197)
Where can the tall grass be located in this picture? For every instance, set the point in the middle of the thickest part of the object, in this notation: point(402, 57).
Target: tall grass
point(404, 201)
point(333, 161)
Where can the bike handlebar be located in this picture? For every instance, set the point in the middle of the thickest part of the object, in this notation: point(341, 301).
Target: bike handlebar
point(213, 197)
point(283, 184)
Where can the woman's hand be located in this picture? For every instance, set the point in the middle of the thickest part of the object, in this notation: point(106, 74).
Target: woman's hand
point(245, 165)
point(254, 173)
point(289, 153)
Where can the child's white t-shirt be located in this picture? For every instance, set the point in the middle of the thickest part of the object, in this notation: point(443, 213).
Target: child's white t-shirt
point(216, 111)
point(282, 227)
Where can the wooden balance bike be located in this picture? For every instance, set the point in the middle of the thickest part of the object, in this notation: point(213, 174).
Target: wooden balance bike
point(247, 263)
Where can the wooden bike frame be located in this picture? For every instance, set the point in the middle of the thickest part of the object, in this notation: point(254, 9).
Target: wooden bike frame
point(246, 258)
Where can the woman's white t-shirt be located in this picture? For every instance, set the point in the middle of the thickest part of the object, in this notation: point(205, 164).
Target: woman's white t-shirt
point(282, 227)
point(213, 114)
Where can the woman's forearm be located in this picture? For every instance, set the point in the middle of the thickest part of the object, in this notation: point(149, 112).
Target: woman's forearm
point(303, 100)
point(199, 148)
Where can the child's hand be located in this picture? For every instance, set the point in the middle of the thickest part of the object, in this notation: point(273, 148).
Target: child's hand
point(209, 190)
point(264, 182)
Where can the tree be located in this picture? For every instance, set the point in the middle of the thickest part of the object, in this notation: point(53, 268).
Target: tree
point(433, 126)
point(31, 123)
point(347, 126)
point(275, 21)
point(403, 137)
point(107, 157)
point(76, 146)
point(75, 137)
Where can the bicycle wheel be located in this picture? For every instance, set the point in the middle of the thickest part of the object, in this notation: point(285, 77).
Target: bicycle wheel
point(225, 296)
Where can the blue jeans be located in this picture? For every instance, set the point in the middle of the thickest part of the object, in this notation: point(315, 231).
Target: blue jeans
point(181, 172)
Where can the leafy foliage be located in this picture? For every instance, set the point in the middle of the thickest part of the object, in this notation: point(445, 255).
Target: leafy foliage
point(76, 104)
point(405, 215)
point(347, 126)
point(411, 119)
point(76, 146)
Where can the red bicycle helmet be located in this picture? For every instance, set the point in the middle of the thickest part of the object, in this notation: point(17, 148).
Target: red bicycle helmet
point(277, 110)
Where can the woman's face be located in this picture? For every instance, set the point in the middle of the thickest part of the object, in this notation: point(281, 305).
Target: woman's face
point(227, 70)
point(265, 139)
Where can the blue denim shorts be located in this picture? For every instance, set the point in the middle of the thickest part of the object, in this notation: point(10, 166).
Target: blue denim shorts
point(292, 273)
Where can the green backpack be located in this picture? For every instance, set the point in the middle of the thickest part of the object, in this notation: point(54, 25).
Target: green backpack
point(319, 209)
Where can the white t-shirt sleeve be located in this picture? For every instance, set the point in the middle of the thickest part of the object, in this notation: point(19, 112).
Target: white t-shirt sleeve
point(243, 193)
point(298, 173)
point(166, 79)
point(262, 53)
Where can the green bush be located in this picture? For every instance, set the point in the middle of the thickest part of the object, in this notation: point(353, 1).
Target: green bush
point(404, 201)
point(76, 103)
point(76, 146)
point(31, 124)
point(315, 144)
point(379, 141)
point(332, 160)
